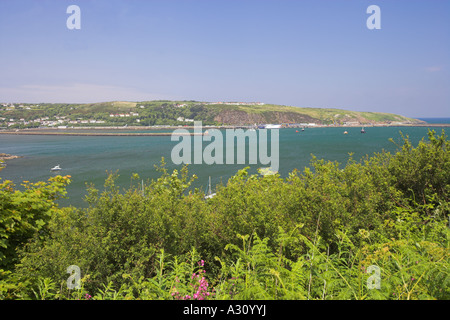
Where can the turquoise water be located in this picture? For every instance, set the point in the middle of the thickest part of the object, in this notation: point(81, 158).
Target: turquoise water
point(87, 159)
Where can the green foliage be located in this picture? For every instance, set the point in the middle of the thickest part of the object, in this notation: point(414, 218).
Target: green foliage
point(24, 214)
point(314, 235)
point(421, 173)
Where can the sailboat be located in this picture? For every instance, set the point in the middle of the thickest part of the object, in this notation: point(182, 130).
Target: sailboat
point(362, 130)
point(209, 194)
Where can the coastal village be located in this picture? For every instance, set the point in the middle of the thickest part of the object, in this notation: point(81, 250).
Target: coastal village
point(135, 118)
point(64, 122)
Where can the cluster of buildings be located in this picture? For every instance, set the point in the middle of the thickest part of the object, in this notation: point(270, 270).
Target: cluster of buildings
point(60, 122)
point(11, 106)
point(181, 119)
point(238, 103)
point(123, 115)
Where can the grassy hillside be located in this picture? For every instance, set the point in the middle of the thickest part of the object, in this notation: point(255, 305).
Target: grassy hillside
point(165, 112)
point(270, 113)
point(330, 115)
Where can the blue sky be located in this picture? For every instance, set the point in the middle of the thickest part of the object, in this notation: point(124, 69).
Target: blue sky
point(311, 53)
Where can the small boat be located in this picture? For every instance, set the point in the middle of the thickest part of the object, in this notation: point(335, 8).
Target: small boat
point(345, 132)
point(273, 126)
point(363, 131)
point(303, 129)
point(56, 168)
point(209, 194)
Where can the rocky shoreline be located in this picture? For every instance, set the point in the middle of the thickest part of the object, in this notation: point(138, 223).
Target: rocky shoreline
point(6, 156)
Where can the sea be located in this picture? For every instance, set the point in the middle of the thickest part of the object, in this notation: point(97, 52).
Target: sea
point(89, 159)
point(435, 120)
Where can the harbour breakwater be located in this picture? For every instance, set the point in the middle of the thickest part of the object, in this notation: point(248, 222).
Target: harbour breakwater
point(62, 130)
point(118, 131)
point(62, 133)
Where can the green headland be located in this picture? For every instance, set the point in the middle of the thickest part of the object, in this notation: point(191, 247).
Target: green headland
point(176, 113)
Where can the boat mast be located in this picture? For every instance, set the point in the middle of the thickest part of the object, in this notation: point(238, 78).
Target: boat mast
point(209, 186)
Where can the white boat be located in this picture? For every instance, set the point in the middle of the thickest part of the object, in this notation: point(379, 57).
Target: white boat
point(273, 126)
point(56, 168)
point(209, 193)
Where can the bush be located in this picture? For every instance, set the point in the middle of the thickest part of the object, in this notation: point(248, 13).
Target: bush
point(312, 235)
